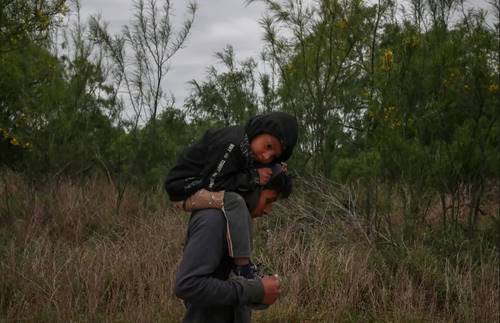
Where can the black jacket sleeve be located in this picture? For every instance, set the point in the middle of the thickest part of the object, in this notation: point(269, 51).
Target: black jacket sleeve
point(185, 178)
point(203, 253)
point(215, 162)
point(226, 169)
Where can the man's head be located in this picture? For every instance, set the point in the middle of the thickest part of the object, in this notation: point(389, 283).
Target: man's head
point(264, 204)
point(272, 136)
point(280, 186)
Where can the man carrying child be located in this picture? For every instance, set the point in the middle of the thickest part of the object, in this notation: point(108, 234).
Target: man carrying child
point(230, 170)
point(205, 278)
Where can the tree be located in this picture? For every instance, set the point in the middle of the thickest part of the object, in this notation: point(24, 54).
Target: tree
point(317, 53)
point(141, 56)
point(30, 73)
point(225, 98)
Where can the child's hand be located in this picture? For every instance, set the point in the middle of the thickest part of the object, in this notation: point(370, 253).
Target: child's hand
point(264, 175)
point(284, 167)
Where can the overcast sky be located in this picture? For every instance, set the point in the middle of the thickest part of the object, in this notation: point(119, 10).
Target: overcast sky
point(217, 24)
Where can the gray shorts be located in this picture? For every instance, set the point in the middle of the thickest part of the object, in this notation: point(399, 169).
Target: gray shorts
point(239, 225)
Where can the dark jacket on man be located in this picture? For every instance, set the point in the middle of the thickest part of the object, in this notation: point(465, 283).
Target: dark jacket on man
point(221, 159)
point(203, 277)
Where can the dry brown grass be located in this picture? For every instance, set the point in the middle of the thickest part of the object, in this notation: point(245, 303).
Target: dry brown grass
point(67, 254)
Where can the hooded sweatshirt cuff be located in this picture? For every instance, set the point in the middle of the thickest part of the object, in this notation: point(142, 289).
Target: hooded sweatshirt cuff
point(254, 178)
point(253, 290)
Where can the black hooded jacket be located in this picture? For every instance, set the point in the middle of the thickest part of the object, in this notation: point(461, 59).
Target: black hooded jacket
point(221, 159)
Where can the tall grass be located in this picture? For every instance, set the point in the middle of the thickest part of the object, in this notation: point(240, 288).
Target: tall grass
point(67, 253)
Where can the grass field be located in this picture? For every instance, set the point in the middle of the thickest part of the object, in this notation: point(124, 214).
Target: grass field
point(69, 254)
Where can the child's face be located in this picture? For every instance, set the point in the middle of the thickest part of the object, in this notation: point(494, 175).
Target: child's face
point(265, 148)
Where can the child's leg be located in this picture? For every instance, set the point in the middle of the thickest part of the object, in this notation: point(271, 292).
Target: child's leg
point(239, 225)
point(241, 261)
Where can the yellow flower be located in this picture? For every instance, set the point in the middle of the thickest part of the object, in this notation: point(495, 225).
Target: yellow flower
point(387, 62)
point(14, 142)
point(388, 56)
point(493, 88)
point(411, 42)
point(65, 9)
point(342, 24)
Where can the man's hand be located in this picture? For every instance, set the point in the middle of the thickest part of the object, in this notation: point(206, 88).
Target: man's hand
point(271, 289)
point(264, 175)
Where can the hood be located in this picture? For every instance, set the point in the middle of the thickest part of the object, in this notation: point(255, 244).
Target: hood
point(279, 124)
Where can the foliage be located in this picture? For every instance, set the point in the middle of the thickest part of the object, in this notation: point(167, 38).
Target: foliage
point(397, 103)
point(406, 100)
point(226, 98)
point(57, 110)
point(139, 63)
point(316, 50)
point(141, 54)
point(25, 21)
point(29, 72)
